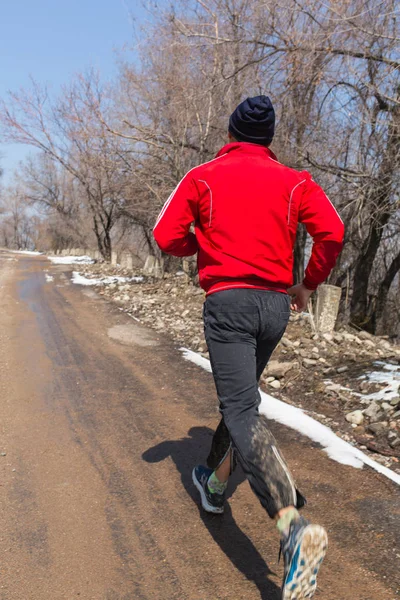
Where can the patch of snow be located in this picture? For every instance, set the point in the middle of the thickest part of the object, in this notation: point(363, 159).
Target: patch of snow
point(28, 252)
point(390, 375)
point(82, 280)
point(71, 260)
point(49, 278)
point(387, 366)
point(197, 359)
point(295, 418)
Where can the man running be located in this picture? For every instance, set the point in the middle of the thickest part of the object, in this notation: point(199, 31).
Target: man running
point(245, 207)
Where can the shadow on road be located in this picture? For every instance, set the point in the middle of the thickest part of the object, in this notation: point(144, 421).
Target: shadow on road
point(223, 528)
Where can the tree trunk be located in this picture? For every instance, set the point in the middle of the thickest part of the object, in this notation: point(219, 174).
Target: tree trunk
point(359, 301)
point(103, 240)
point(379, 197)
point(383, 291)
point(107, 245)
point(299, 254)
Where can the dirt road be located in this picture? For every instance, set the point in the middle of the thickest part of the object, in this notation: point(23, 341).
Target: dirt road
point(101, 423)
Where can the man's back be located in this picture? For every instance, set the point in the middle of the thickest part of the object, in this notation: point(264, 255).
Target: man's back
point(246, 206)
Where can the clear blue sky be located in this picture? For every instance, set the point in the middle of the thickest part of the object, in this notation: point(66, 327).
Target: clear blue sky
point(51, 40)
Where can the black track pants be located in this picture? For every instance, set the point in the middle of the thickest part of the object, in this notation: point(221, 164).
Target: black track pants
point(242, 329)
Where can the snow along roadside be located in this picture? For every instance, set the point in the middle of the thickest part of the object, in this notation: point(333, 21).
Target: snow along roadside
point(27, 252)
point(82, 280)
point(71, 260)
point(295, 418)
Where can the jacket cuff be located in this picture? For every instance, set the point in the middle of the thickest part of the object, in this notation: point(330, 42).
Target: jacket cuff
point(310, 286)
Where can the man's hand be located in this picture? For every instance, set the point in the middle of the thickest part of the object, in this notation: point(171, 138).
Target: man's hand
point(300, 297)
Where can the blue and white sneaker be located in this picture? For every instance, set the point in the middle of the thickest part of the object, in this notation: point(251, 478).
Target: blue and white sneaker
point(213, 503)
point(303, 552)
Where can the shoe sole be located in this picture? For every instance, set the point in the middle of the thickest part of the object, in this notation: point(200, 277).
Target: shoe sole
point(204, 502)
point(309, 554)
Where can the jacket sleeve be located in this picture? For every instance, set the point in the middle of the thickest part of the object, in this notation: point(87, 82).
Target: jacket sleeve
point(325, 227)
point(171, 230)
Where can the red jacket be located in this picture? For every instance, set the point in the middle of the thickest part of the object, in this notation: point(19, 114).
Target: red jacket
point(245, 207)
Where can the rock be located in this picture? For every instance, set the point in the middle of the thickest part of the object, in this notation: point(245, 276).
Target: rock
point(395, 401)
point(356, 417)
point(328, 337)
point(342, 369)
point(348, 337)
point(369, 343)
point(387, 345)
point(338, 338)
point(197, 291)
point(359, 430)
point(386, 407)
point(364, 387)
point(373, 411)
point(319, 387)
point(364, 335)
point(395, 443)
point(286, 342)
point(392, 435)
point(333, 387)
point(309, 362)
point(315, 350)
point(269, 379)
point(329, 371)
point(279, 369)
point(296, 344)
point(3, 453)
point(378, 428)
point(159, 324)
point(396, 415)
point(275, 384)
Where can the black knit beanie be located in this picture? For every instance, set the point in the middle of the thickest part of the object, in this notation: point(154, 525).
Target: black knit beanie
point(253, 121)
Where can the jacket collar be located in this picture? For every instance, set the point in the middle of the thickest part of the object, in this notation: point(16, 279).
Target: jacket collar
point(246, 148)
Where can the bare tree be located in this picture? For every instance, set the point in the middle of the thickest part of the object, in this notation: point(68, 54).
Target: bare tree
point(16, 224)
point(67, 133)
